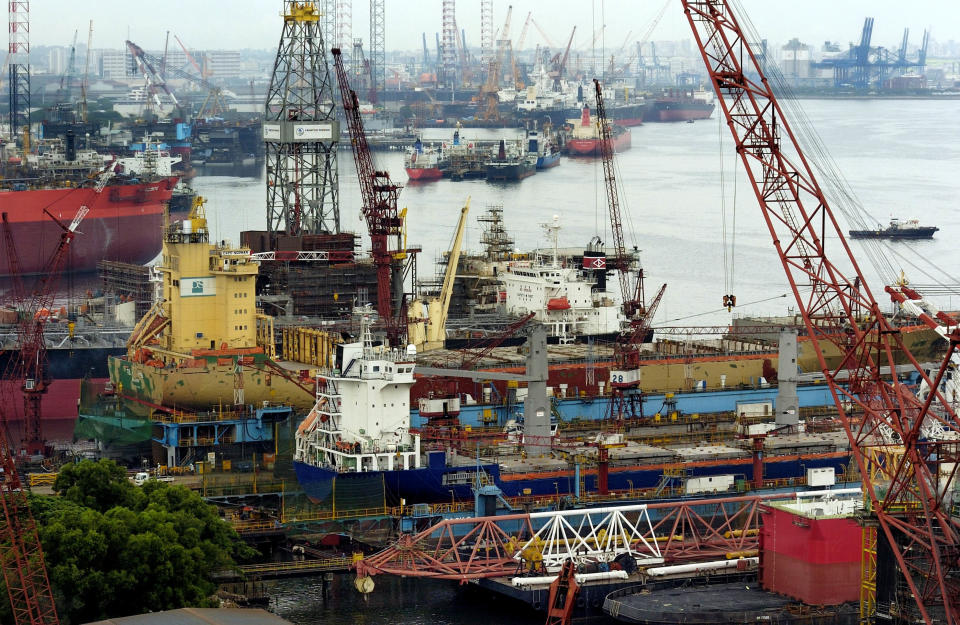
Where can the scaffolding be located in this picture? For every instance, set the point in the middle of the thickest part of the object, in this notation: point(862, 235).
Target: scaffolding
point(128, 281)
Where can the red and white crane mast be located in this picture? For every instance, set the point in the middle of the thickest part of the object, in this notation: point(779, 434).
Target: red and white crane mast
point(880, 414)
point(379, 206)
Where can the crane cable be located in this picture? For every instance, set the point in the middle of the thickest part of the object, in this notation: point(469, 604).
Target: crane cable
point(837, 187)
point(729, 251)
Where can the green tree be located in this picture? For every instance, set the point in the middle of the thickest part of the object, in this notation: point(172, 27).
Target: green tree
point(99, 485)
point(113, 549)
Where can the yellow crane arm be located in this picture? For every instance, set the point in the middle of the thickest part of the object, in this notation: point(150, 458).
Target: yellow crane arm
point(447, 291)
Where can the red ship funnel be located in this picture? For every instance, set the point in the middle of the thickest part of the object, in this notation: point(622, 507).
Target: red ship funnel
point(585, 116)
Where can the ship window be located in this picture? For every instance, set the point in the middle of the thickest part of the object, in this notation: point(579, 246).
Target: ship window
point(376, 367)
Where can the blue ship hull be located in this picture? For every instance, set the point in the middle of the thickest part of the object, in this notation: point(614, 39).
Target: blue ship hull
point(548, 160)
point(439, 483)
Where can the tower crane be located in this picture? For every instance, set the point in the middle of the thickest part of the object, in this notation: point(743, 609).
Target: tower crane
point(517, 82)
point(625, 379)
point(379, 207)
point(906, 476)
point(492, 84)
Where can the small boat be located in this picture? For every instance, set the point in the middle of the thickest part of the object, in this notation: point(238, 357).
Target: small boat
point(905, 229)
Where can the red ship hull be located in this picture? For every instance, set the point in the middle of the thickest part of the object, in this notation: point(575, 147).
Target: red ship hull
point(124, 224)
point(424, 173)
point(591, 147)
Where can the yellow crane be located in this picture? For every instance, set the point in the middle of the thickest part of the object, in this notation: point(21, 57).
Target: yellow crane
point(432, 336)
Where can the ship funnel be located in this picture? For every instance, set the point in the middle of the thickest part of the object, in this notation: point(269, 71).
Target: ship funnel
point(502, 152)
point(585, 116)
point(71, 147)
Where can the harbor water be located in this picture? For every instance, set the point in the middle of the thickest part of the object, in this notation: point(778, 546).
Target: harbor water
point(899, 156)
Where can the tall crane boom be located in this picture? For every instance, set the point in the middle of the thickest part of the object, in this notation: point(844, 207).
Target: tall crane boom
point(379, 197)
point(632, 297)
point(881, 416)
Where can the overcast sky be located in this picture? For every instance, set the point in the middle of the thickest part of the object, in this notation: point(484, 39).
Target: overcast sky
point(234, 24)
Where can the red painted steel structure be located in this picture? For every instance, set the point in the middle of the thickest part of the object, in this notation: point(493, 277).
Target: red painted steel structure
point(379, 208)
point(911, 514)
point(481, 547)
point(21, 556)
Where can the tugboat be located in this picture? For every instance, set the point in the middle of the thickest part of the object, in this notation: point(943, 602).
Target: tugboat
point(906, 229)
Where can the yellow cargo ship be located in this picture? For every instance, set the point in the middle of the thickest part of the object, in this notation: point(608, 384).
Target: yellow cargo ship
point(203, 344)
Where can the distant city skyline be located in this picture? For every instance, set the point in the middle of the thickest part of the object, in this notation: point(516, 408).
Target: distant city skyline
point(256, 24)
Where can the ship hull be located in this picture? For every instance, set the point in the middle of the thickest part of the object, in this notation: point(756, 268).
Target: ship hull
point(674, 111)
point(67, 368)
point(911, 233)
point(510, 172)
point(591, 147)
point(439, 484)
point(424, 174)
point(202, 383)
point(547, 161)
point(124, 224)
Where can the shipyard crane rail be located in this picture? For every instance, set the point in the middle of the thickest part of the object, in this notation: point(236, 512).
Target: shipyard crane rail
point(910, 510)
point(507, 545)
point(379, 207)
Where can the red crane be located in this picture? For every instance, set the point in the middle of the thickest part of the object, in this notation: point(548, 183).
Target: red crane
point(625, 400)
point(905, 475)
point(379, 207)
point(24, 570)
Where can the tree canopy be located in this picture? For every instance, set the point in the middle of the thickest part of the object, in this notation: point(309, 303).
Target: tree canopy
point(114, 549)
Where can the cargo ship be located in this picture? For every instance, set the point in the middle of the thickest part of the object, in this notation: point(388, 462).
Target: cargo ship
point(423, 164)
point(203, 343)
point(345, 449)
point(585, 136)
point(510, 165)
point(545, 147)
point(123, 224)
point(676, 105)
point(898, 229)
point(570, 301)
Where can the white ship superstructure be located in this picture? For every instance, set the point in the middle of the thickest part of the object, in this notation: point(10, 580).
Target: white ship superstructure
point(563, 298)
point(361, 420)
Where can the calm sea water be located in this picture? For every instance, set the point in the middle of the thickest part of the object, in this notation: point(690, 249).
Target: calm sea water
point(900, 158)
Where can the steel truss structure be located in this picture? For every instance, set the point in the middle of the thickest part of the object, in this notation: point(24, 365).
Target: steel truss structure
point(18, 64)
point(498, 546)
point(877, 410)
point(301, 130)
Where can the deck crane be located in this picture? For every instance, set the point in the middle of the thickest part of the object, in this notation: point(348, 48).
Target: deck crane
point(379, 207)
point(625, 379)
point(906, 476)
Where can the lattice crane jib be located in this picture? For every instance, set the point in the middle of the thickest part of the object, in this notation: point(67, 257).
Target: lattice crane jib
point(18, 65)
point(379, 207)
point(301, 131)
point(878, 411)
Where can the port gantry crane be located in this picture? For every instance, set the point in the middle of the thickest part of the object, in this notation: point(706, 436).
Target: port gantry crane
point(906, 476)
point(625, 399)
point(379, 207)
